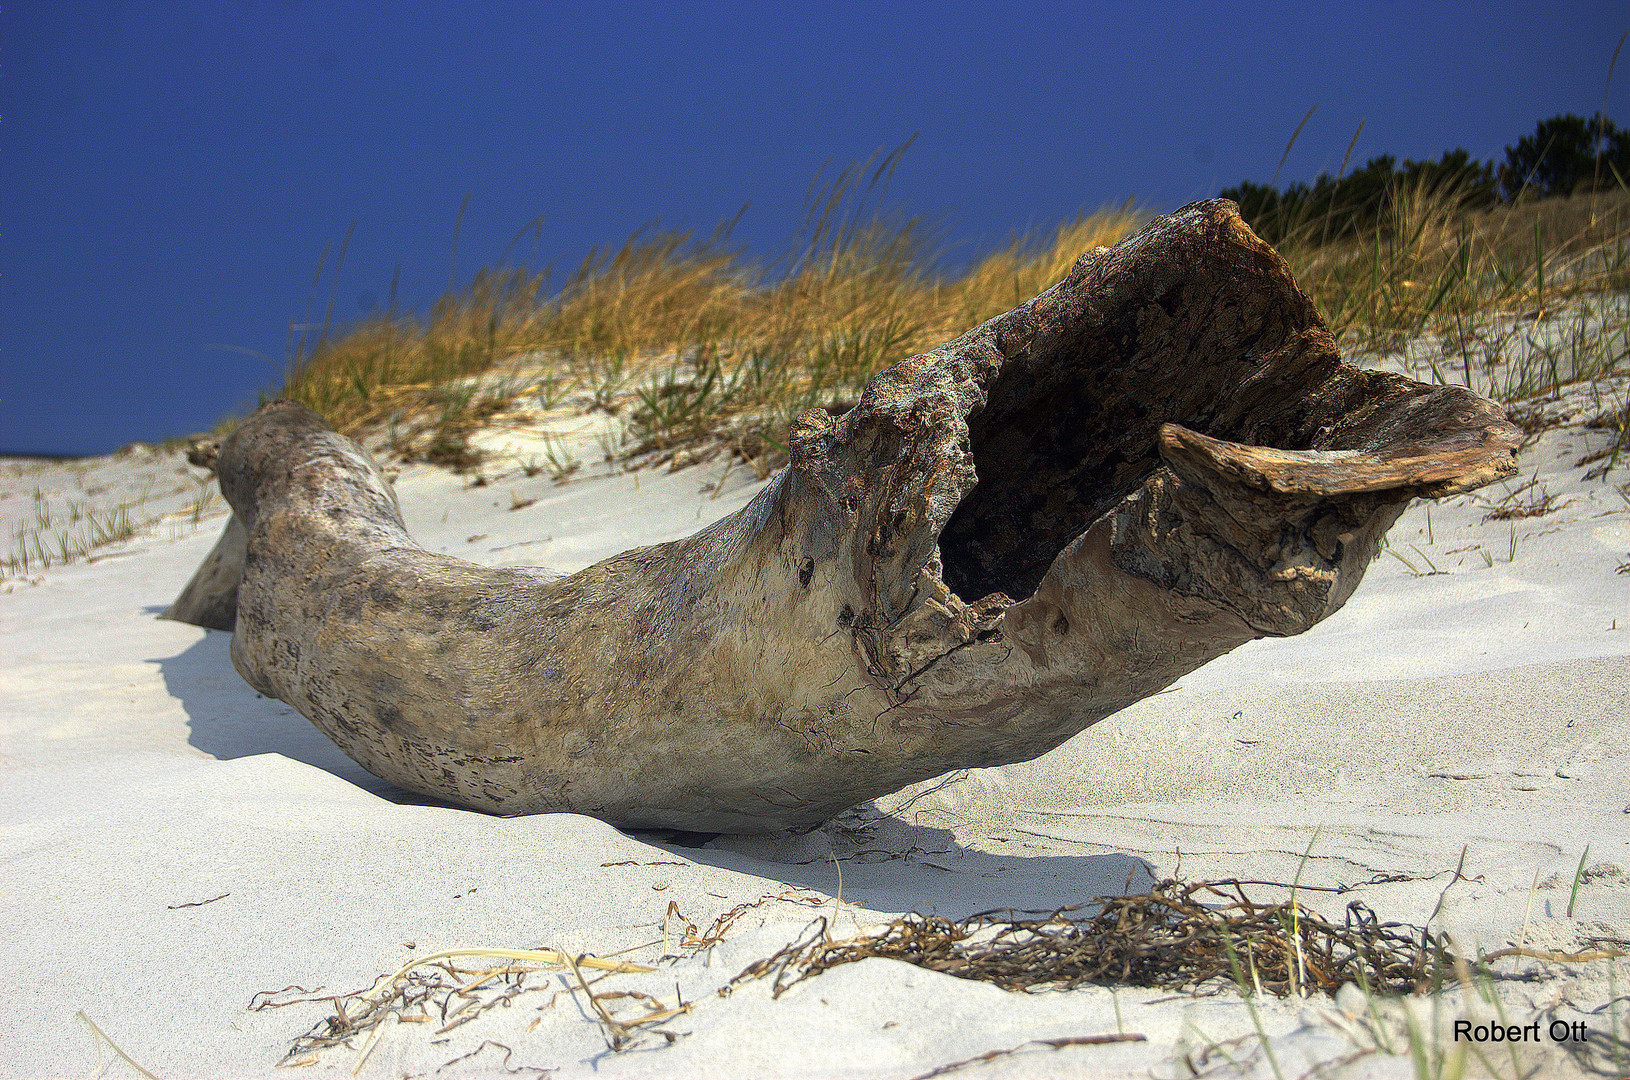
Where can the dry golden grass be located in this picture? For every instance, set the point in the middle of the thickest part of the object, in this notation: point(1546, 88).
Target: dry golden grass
point(1432, 263)
point(719, 347)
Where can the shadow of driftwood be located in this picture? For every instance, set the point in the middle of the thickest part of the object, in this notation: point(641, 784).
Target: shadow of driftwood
point(888, 863)
point(884, 862)
point(229, 720)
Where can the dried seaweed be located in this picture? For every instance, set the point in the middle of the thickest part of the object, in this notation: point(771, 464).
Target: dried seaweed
point(693, 938)
point(435, 990)
point(1175, 937)
point(1197, 937)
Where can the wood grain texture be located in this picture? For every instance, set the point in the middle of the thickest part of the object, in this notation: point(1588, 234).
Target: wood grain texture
point(1009, 538)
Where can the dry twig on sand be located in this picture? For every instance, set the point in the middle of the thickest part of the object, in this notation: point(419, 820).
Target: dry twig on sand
point(433, 984)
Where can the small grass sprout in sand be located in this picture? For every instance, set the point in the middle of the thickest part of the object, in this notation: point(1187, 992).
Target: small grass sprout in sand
point(1413, 569)
point(1578, 876)
point(205, 499)
point(50, 541)
point(1250, 1004)
point(557, 460)
point(1615, 420)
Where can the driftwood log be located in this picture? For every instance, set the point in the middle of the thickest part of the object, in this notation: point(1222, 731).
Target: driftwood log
point(1008, 539)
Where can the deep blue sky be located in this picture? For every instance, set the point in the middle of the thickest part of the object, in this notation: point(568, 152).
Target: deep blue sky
point(170, 173)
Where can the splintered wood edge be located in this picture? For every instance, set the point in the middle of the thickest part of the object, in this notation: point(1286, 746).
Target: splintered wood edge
point(1446, 466)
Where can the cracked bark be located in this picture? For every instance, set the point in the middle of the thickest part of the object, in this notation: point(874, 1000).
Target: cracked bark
point(1009, 538)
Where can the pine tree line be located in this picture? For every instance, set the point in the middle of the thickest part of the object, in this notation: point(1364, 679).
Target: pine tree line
point(1564, 155)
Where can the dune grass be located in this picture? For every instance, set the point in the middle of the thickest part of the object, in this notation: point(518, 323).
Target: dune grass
point(60, 535)
point(701, 348)
point(58, 529)
point(697, 340)
point(700, 344)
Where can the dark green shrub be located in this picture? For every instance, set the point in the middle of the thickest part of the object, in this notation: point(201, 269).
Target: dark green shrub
point(1334, 207)
point(1561, 157)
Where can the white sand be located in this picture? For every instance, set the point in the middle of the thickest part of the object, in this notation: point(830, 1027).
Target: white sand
point(1479, 713)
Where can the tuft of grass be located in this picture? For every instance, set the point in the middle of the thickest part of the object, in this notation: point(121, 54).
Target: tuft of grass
point(1250, 1002)
point(1617, 421)
point(48, 541)
point(1434, 263)
point(202, 502)
point(561, 462)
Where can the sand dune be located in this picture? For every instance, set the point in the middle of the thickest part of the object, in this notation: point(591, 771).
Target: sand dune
point(174, 845)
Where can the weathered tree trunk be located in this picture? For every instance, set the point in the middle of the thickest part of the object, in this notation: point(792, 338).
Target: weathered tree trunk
point(1008, 539)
